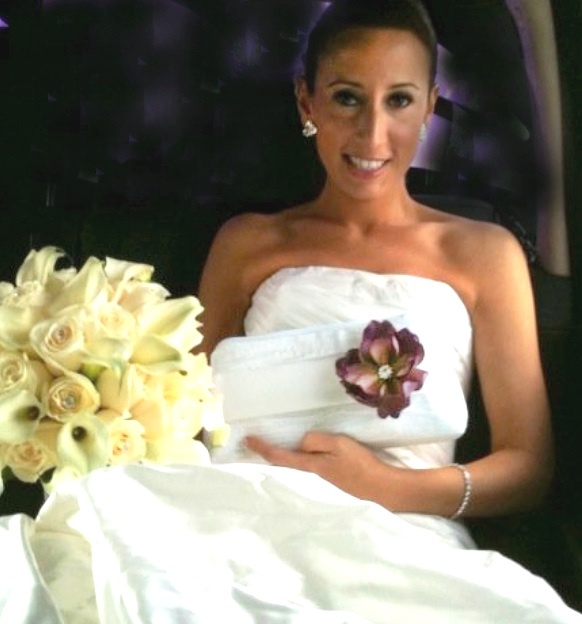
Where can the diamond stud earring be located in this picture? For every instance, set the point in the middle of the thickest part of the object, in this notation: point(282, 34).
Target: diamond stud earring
point(309, 129)
point(423, 133)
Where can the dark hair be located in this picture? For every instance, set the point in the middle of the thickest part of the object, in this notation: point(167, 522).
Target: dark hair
point(345, 15)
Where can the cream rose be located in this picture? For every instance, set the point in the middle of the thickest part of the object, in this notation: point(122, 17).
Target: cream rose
point(69, 395)
point(16, 372)
point(60, 340)
point(125, 436)
point(116, 322)
point(28, 460)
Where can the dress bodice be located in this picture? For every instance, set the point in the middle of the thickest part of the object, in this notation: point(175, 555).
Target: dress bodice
point(296, 297)
point(302, 318)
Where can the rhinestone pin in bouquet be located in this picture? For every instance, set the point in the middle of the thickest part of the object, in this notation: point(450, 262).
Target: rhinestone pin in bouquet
point(382, 372)
point(96, 369)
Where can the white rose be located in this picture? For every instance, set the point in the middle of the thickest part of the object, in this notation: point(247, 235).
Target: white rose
point(116, 322)
point(60, 340)
point(30, 459)
point(126, 438)
point(20, 411)
point(16, 372)
point(69, 395)
point(99, 336)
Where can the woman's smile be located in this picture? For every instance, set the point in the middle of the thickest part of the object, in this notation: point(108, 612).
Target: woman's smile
point(365, 168)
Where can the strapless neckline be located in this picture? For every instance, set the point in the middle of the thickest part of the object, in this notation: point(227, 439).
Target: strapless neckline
point(284, 272)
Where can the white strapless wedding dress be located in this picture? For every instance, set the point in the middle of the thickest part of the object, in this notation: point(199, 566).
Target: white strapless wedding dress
point(250, 543)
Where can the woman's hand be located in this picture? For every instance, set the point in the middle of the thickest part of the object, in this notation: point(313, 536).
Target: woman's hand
point(338, 459)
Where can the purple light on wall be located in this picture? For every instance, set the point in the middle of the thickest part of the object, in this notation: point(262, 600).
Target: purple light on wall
point(3, 24)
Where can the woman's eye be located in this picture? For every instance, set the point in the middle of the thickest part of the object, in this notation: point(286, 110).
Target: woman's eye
point(399, 100)
point(345, 98)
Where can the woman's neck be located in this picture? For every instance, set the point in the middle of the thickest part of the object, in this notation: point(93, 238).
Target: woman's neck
point(398, 208)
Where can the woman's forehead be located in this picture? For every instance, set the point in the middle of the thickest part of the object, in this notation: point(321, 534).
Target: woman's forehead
point(375, 51)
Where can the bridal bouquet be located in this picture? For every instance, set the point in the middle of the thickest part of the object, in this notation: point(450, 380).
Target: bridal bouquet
point(96, 369)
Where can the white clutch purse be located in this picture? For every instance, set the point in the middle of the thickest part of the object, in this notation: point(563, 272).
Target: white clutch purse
point(280, 385)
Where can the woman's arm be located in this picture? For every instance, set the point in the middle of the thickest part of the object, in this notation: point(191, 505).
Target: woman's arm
point(517, 472)
point(223, 291)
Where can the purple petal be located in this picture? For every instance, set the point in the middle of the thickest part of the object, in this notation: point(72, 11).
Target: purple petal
point(414, 380)
point(378, 342)
point(393, 401)
point(371, 400)
point(410, 345)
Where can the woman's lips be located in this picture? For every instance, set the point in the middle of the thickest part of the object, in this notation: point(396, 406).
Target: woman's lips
point(367, 167)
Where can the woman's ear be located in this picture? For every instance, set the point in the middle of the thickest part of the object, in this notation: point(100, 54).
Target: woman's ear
point(303, 99)
point(433, 96)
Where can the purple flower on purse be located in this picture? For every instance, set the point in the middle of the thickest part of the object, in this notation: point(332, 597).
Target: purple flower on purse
point(382, 372)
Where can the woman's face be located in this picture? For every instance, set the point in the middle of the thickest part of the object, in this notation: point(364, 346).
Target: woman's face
point(371, 97)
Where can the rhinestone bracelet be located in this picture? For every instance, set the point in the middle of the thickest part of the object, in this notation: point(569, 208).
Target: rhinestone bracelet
point(467, 494)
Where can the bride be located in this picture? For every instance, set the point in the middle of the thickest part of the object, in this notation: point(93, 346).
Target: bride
point(341, 528)
point(366, 99)
point(364, 249)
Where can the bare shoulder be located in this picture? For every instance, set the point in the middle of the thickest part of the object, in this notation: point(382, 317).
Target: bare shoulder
point(243, 231)
point(491, 259)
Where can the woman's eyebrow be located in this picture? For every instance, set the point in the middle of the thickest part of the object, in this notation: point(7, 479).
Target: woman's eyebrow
point(399, 85)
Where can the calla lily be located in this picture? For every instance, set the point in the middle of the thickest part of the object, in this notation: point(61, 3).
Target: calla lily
point(20, 411)
point(173, 321)
point(84, 288)
point(120, 391)
point(156, 356)
point(123, 271)
point(83, 444)
point(135, 296)
point(38, 265)
point(382, 373)
point(120, 272)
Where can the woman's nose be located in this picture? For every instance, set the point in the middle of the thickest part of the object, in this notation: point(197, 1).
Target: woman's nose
point(374, 125)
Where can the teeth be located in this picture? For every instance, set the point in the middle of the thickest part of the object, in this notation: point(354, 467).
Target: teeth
point(367, 165)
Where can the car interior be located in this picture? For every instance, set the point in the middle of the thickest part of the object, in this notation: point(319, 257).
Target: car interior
point(135, 128)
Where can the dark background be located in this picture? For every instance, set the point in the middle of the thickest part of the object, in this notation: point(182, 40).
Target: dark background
point(132, 108)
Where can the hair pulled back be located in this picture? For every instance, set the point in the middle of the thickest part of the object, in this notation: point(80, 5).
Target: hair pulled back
point(345, 15)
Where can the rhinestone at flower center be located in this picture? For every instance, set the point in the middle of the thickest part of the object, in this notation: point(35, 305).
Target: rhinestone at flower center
point(385, 372)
